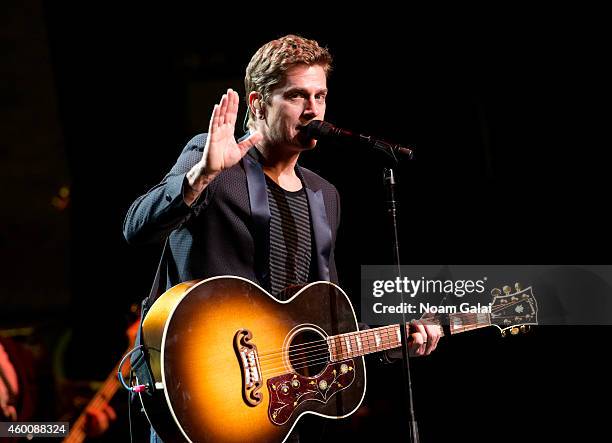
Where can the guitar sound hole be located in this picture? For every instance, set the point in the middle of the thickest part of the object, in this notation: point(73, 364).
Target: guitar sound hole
point(308, 353)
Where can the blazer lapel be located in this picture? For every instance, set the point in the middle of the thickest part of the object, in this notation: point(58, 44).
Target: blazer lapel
point(321, 230)
point(260, 212)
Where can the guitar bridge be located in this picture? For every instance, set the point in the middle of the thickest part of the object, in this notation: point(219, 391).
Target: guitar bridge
point(249, 365)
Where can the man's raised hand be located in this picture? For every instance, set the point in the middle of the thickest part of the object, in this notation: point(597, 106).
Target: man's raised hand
point(221, 150)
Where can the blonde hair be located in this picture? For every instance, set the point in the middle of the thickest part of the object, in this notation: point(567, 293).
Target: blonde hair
point(268, 65)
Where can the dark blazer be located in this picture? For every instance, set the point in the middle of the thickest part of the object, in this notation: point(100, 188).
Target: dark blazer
point(226, 231)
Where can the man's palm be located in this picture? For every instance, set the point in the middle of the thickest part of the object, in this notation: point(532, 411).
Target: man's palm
point(222, 151)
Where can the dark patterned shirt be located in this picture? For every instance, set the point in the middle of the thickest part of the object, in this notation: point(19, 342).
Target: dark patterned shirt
point(290, 242)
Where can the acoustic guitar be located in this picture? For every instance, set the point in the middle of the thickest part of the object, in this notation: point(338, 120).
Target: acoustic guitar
point(231, 363)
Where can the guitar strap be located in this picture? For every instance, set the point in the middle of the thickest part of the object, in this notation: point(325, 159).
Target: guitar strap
point(139, 360)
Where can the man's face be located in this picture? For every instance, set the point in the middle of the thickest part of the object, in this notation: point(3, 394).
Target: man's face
point(294, 103)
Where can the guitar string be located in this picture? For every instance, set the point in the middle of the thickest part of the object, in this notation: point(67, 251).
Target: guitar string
point(389, 340)
point(292, 354)
point(467, 315)
point(323, 343)
point(274, 372)
point(315, 343)
point(321, 357)
point(102, 397)
point(300, 357)
point(283, 371)
point(77, 432)
point(308, 344)
point(280, 370)
point(293, 348)
point(314, 355)
point(370, 346)
point(109, 388)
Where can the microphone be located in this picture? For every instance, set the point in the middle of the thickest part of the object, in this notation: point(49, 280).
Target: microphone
point(321, 129)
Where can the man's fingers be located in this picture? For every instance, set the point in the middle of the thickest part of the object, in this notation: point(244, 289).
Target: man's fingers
point(225, 112)
point(8, 412)
point(223, 109)
point(420, 329)
point(432, 338)
point(416, 344)
point(110, 412)
point(423, 348)
point(420, 338)
point(232, 107)
point(214, 120)
point(97, 422)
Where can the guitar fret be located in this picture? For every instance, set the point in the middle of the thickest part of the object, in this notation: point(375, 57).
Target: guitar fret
point(483, 318)
point(468, 322)
point(366, 336)
point(347, 340)
point(389, 332)
point(372, 341)
point(377, 338)
point(354, 345)
point(392, 340)
point(332, 348)
point(338, 348)
point(385, 338)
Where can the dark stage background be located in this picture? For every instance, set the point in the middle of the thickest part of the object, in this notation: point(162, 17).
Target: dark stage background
point(97, 103)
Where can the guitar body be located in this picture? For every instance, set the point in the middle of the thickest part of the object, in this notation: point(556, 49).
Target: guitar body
point(233, 364)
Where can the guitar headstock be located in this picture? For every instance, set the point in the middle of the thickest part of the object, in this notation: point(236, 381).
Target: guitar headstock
point(514, 310)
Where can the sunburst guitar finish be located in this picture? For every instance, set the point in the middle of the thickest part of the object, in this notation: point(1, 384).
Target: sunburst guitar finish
point(233, 364)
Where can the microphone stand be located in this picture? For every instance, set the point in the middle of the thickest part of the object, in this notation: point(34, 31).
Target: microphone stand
point(389, 179)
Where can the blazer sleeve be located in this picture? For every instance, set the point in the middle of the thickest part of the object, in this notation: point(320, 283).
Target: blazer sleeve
point(154, 215)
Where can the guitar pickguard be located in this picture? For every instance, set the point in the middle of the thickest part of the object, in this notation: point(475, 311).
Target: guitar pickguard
point(288, 391)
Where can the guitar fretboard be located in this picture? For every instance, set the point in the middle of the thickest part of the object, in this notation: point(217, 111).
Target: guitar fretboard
point(358, 343)
point(468, 322)
point(109, 388)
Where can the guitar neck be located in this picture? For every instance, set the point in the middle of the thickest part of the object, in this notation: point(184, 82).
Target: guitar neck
point(107, 391)
point(109, 388)
point(369, 341)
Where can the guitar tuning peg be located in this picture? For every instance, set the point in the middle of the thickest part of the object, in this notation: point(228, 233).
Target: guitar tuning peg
point(514, 330)
point(507, 290)
point(525, 329)
point(495, 292)
point(517, 287)
point(504, 333)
